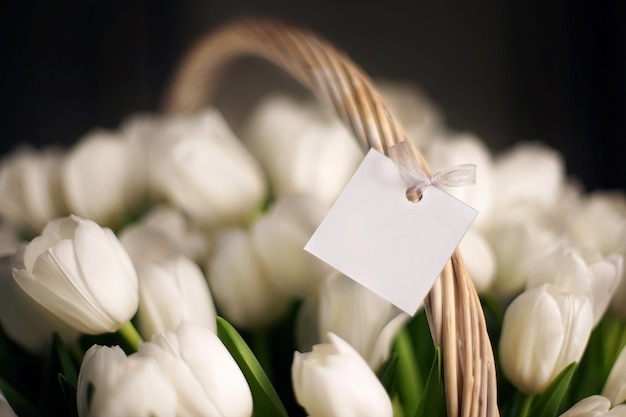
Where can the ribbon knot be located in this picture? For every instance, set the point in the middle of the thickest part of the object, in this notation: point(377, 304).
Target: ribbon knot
point(418, 181)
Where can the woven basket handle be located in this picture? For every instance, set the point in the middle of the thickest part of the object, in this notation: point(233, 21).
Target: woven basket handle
point(454, 311)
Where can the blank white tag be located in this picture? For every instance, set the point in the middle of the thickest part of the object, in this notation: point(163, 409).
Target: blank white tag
point(388, 244)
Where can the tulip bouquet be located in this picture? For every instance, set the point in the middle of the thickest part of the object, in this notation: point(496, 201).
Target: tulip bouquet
point(158, 270)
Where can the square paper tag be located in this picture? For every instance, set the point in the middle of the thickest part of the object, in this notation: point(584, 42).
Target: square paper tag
point(392, 246)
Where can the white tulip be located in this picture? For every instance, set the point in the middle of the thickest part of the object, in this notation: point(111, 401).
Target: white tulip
point(479, 258)
point(528, 173)
point(207, 379)
point(595, 406)
point(5, 407)
point(543, 331)
point(419, 116)
point(599, 221)
point(362, 318)
point(615, 386)
point(242, 291)
point(279, 238)
point(335, 381)
point(102, 178)
point(163, 233)
point(579, 271)
point(171, 292)
point(23, 319)
point(199, 165)
point(467, 149)
point(113, 385)
point(30, 188)
point(516, 247)
point(81, 274)
point(303, 150)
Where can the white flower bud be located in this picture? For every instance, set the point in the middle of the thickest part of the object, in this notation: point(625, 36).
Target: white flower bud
point(362, 318)
point(81, 274)
point(171, 292)
point(30, 188)
point(479, 259)
point(528, 173)
point(579, 271)
point(207, 379)
point(516, 247)
point(595, 406)
point(302, 150)
point(23, 319)
point(543, 331)
point(102, 179)
point(242, 291)
point(279, 238)
point(467, 149)
point(335, 381)
point(163, 233)
point(113, 385)
point(199, 165)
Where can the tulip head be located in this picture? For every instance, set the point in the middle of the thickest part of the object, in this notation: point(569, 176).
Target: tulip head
point(333, 380)
point(80, 272)
point(171, 292)
point(207, 379)
point(544, 330)
point(113, 385)
point(242, 290)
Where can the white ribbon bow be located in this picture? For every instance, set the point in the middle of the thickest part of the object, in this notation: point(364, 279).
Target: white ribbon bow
point(417, 180)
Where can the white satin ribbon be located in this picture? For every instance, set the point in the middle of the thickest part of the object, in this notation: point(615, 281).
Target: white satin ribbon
point(417, 180)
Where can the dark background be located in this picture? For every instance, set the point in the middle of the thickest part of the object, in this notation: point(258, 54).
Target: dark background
point(509, 71)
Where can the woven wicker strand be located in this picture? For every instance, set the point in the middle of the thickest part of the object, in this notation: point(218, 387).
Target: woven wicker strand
point(454, 311)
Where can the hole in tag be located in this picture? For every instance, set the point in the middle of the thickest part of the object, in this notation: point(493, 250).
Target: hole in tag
point(413, 194)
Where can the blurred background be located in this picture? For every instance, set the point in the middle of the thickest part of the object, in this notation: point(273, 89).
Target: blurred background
point(553, 71)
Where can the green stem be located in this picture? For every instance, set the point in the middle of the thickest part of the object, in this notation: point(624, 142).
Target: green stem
point(410, 386)
point(526, 405)
point(130, 335)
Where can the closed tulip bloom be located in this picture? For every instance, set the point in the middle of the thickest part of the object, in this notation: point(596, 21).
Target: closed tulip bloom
point(335, 381)
point(579, 271)
point(102, 179)
point(201, 167)
point(162, 233)
point(279, 238)
point(516, 247)
point(529, 173)
point(113, 385)
point(23, 319)
point(170, 292)
point(30, 188)
point(362, 318)
point(595, 406)
point(543, 331)
point(467, 149)
point(303, 149)
point(241, 288)
point(80, 272)
point(615, 386)
point(479, 258)
point(207, 379)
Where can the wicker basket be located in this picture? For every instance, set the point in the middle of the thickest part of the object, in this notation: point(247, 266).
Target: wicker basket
point(454, 311)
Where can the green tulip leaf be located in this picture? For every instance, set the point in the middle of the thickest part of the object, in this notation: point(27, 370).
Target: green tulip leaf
point(69, 394)
point(67, 365)
point(266, 400)
point(433, 401)
point(387, 374)
point(548, 403)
